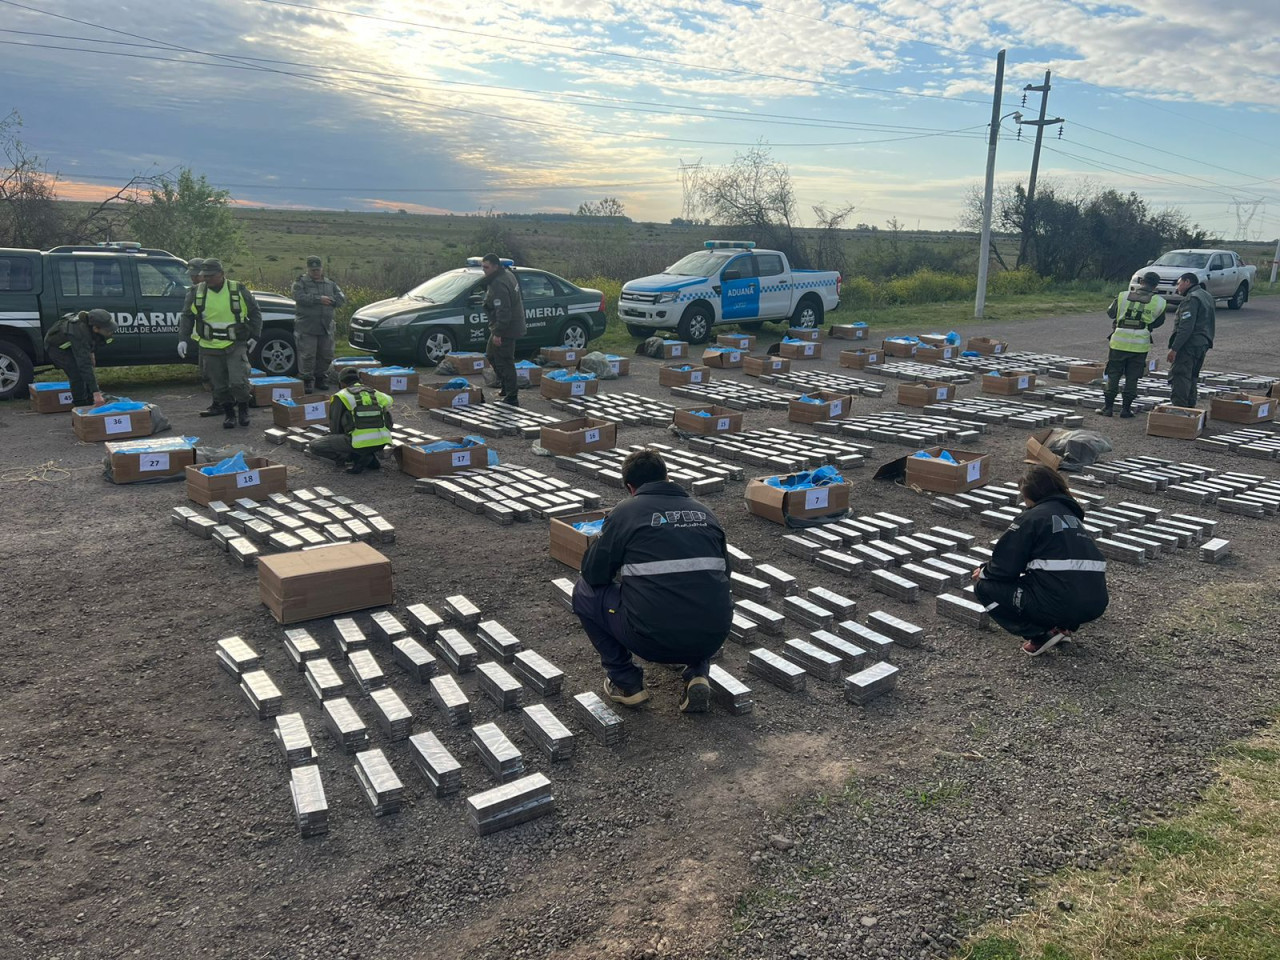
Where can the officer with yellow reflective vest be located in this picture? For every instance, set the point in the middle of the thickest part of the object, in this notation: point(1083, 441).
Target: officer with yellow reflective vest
point(71, 344)
point(359, 425)
point(1135, 314)
point(224, 321)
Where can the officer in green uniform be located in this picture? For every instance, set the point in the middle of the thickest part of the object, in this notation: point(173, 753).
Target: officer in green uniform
point(1136, 313)
point(316, 297)
point(71, 343)
point(225, 323)
point(195, 270)
point(505, 309)
point(359, 425)
point(1192, 339)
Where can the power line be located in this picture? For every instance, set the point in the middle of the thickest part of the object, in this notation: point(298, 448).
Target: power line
point(1164, 152)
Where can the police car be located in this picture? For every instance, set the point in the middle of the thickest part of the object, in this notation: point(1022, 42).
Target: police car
point(446, 313)
point(728, 281)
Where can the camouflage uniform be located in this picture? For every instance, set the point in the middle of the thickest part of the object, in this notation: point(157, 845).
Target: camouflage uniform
point(313, 326)
point(505, 308)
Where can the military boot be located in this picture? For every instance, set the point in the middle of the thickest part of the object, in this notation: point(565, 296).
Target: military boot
point(1108, 408)
point(228, 415)
point(1126, 410)
point(213, 410)
point(307, 386)
point(243, 410)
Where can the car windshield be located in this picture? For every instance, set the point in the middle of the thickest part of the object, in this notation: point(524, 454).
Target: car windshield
point(445, 287)
point(1183, 258)
point(704, 263)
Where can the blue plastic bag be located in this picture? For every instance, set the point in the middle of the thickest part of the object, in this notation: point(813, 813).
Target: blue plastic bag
point(685, 369)
point(970, 353)
point(264, 381)
point(944, 456)
point(339, 361)
point(123, 405)
point(566, 376)
point(822, 477)
point(591, 528)
point(953, 338)
point(167, 444)
point(793, 340)
point(700, 413)
point(234, 464)
point(457, 383)
point(286, 402)
point(524, 365)
point(467, 441)
point(52, 385)
point(392, 371)
point(805, 398)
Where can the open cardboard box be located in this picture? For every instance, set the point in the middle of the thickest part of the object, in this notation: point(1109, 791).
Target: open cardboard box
point(148, 458)
point(564, 389)
point(1181, 423)
point(262, 479)
point(1008, 383)
point(847, 331)
point(263, 391)
point(468, 364)
point(738, 341)
point(763, 366)
point(945, 351)
point(725, 357)
point(673, 376)
point(93, 427)
point(774, 503)
point(859, 359)
point(1085, 372)
point(987, 345)
point(1038, 449)
point(416, 462)
point(925, 392)
point(579, 435)
point(431, 398)
point(313, 408)
point(969, 470)
point(400, 382)
point(51, 397)
point(674, 349)
point(721, 420)
point(806, 350)
point(1242, 408)
point(561, 356)
point(812, 334)
point(898, 348)
point(568, 545)
point(324, 582)
point(834, 406)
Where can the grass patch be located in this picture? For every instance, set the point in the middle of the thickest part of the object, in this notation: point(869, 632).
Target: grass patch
point(1205, 884)
point(755, 901)
point(937, 794)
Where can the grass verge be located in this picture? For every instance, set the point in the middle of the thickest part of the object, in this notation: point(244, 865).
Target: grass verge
point(1205, 884)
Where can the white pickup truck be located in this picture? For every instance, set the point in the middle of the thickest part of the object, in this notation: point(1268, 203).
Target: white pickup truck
point(1225, 275)
point(727, 282)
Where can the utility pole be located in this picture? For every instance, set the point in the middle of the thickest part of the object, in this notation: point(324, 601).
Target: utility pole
point(984, 248)
point(1275, 263)
point(1029, 214)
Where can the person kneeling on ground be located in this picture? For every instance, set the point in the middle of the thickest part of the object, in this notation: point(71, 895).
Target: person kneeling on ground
point(359, 425)
point(673, 603)
point(1045, 577)
point(72, 343)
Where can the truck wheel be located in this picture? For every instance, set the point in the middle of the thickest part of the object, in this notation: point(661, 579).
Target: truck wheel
point(644, 333)
point(437, 343)
point(808, 313)
point(1239, 298)
point(575, 335)
point(16, 370)
point(752, 326)
point(695, 325)
point(276, 353)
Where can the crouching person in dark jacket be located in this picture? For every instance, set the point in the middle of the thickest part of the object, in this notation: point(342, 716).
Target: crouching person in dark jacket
point(1045, 577)
point(673, 603)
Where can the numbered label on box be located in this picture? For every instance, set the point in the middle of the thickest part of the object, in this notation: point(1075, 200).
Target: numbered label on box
point(399, 384)
point(972, 470)
point(734, 356)
point(118, 424)
point(677, 351)
point(695, 377)
point(999, 348)
point(940, 393)
point(722, 423)
point(615, 366)
point(577, 388)
point(592, 436)
point(250, 478)
point(461, 400)
point(313, 411)
point(281, 393)
point(837, 407)
point(570, 356)
point(150, 462)
point(1264, 410)
point(65, 398)
point(462, 458)
point(1024, 382)
point(817, 498)
point(808, 349)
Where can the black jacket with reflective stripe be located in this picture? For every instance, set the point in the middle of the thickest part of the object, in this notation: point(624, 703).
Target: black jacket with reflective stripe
point(670, 551)
point(1054, 561)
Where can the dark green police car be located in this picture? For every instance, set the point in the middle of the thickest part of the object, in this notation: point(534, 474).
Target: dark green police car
point(446, 313)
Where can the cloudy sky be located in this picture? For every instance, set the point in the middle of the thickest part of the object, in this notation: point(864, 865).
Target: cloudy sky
point(524, 105)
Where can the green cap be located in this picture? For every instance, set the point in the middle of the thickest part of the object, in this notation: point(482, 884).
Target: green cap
point(194, 266)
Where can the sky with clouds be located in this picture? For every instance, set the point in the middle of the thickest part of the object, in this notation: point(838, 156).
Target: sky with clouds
point(538, 105)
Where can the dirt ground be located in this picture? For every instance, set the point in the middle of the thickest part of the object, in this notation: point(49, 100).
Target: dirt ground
point(146, 813)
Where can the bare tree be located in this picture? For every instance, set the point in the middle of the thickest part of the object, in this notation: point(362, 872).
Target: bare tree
point(28, 217)
point(755, 193)
point(828, 247)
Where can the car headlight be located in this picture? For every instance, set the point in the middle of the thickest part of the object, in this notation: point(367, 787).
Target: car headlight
point(399, 320)
point(666, 297)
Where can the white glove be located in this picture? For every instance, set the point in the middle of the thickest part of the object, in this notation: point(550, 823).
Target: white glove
point(182, 349)
point(253, 345)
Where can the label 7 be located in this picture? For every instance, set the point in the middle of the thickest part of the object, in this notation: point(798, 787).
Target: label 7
point(816, 499)
point(249, 478)
point(462, 458)
point(591, 436)
point(118, 424)
point(153, 461)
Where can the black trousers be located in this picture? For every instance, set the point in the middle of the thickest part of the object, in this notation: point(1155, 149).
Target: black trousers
point(1008, 611)
point(1128, 364)
point(503, 359)
point(80, 392)
point(1184, 375)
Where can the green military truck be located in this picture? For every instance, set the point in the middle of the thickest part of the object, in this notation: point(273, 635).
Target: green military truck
point(142, 289)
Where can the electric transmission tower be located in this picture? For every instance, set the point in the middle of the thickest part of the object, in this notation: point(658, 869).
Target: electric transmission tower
point(689, 173)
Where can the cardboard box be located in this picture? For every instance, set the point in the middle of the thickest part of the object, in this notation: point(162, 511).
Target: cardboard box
point(673, 376)
point(968, 471)
point(930, 353)
point(1181, 423)
point(561, 356)
point(391, 379)
point(925, 392)
point(416, 462)
point(53, 397)
point(738, 341)
point(313, 408)
point(578, 436)
point(847, 331)
point(810, 334)
point(720, 420)
point(262, 479)
point(110, 426)
point(674, 349)
point(834, 406)
point(859, 359)
point(1085, 372)
point(468, 364)
point(568, 545)
point(987, 346)
point(1008, 383)
point(1242, 408)
point(619, 365)
point(898, 348)
point(1038, 450)
point(324, 582)
point(934, 340)
point(263, 391)
point(563, 389)
point(765, 366)
point(776, 504)
point(148, 458)
point(806, 350)
point(530, 374)
point(724, 357)
point(430, 398)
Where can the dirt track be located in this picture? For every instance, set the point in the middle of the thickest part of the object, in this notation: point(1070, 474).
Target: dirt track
point(145, 812)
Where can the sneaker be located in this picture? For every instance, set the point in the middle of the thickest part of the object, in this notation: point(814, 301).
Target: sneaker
point(1033, 648)
point(697, 696)
point(618, 695)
